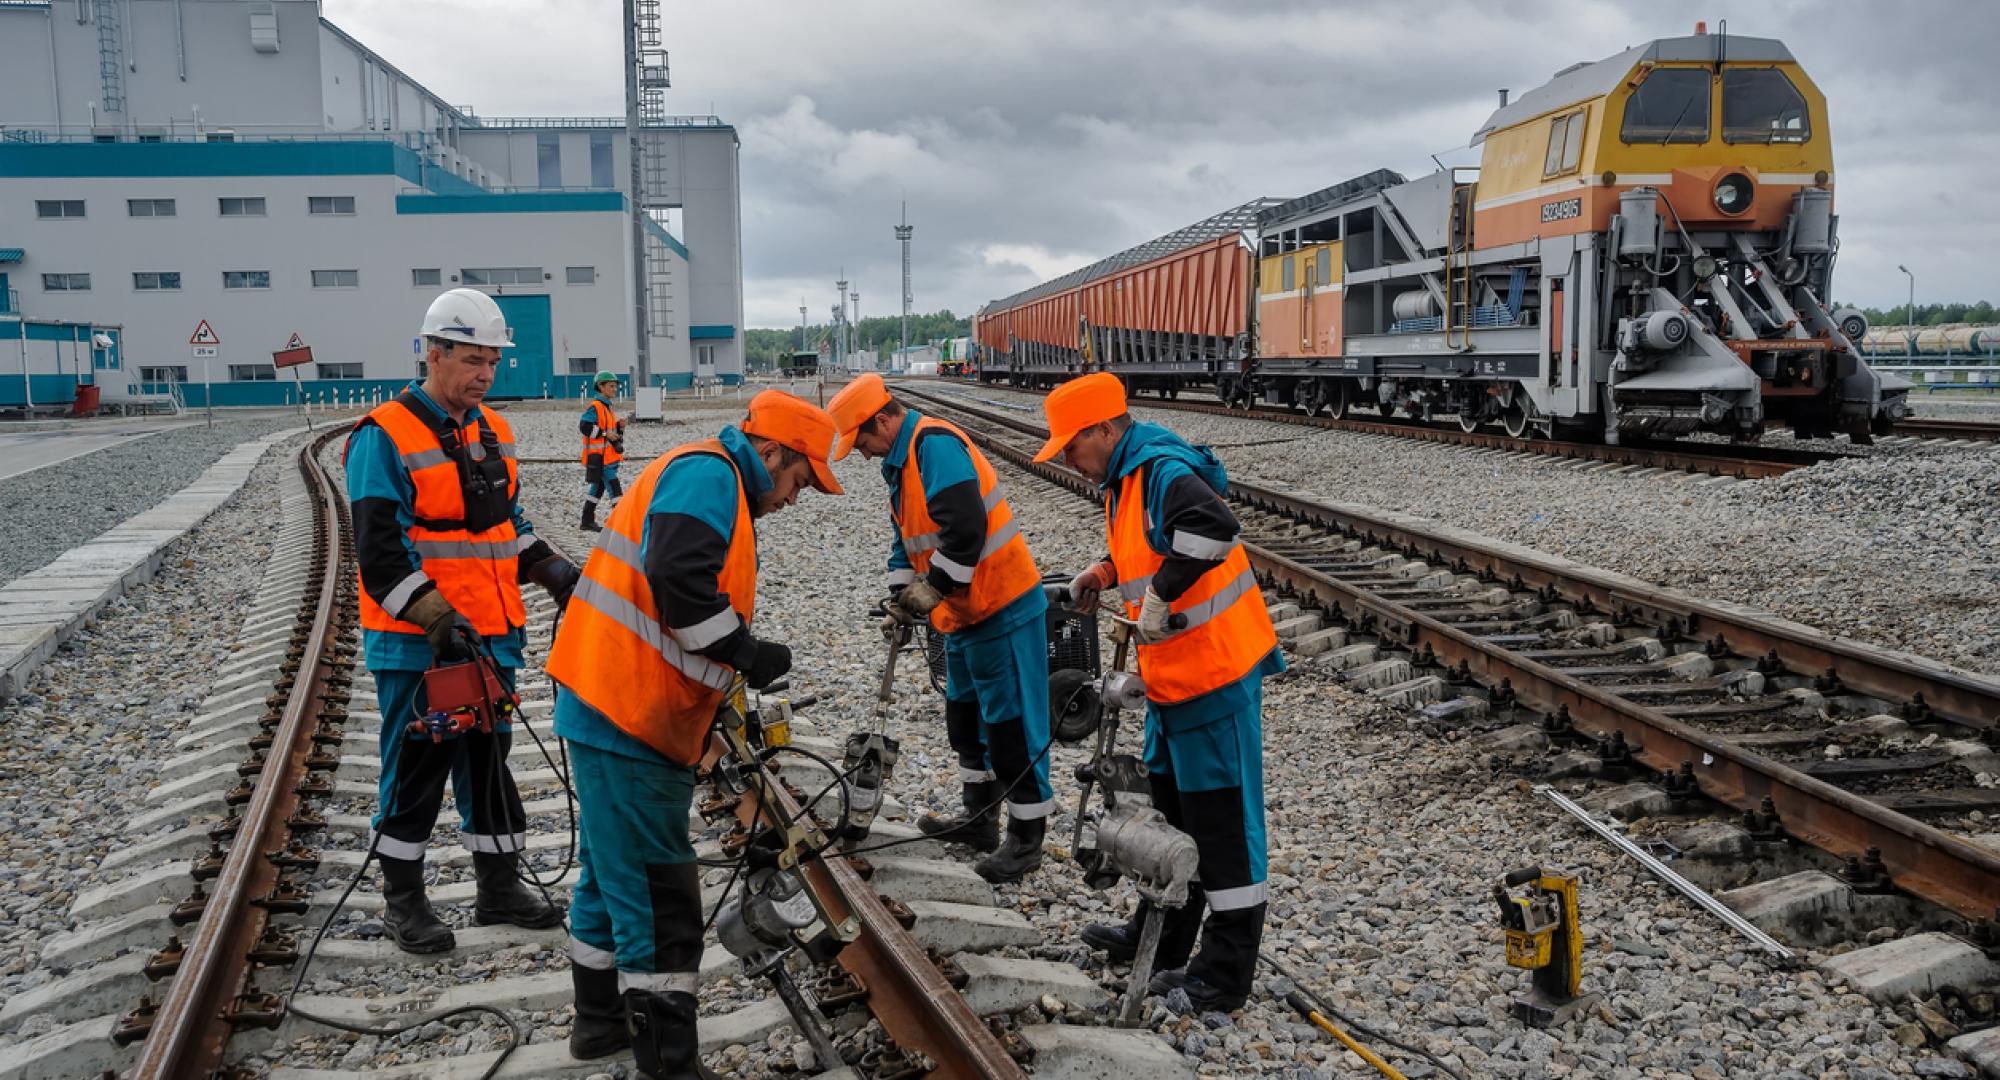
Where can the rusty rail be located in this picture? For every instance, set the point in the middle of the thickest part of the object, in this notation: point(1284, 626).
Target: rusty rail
point(1924, 427)
point(1921, 860)
point(205, 1001)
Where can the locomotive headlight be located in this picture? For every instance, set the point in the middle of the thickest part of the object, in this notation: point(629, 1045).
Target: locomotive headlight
point(1733, 192)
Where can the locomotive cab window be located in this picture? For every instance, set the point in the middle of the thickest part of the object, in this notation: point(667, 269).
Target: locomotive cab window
point(1565, 144)
point(1670, 106)
point(1760, 105)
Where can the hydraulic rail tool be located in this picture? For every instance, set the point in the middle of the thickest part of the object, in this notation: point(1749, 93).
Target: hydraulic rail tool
point(775, 913)
point(869, 757)
point(1132, 839)
point(1545, 936)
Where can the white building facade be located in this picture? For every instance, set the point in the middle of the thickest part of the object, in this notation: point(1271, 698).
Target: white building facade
point(165, 163)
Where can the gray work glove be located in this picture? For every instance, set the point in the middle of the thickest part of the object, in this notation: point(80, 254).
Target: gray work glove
point(1153, 615)
point(1095, 578)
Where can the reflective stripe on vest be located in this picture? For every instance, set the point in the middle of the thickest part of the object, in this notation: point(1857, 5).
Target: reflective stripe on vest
point(1228, 628)
point(476, 571)
point(606, 422)
point(1004, 570)
point(615, 649)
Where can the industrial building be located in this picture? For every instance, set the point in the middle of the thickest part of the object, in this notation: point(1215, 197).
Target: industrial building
point(248, 167)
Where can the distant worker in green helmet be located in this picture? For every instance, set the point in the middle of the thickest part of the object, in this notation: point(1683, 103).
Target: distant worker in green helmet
point(603, 446)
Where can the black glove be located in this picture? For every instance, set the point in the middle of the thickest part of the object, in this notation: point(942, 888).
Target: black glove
point(762, 662)
point(557, 575)
point(451, 637)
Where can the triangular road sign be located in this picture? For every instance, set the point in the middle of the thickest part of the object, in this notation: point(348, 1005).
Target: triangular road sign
point(297, 342)
point(204, 335)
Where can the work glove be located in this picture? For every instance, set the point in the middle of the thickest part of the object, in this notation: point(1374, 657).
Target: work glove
point(919, 598)
point(1153, 616)
point(762, 662)
point(451, 637)
point(557, 575)
point(1094, 579)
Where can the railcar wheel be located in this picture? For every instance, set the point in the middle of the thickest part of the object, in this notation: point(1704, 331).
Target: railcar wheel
point(1468, 421)
point(1515, 419)
point(1337, 403)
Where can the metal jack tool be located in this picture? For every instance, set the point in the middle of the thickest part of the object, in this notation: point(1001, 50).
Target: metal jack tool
point(1545, 936)
point(759, 928)
point(869, 757)
point(1133, 838)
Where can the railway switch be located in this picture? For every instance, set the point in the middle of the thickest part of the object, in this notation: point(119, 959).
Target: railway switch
point(1544, 936)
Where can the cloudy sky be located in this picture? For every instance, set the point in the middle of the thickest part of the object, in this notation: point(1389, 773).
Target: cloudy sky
point(1031, 137)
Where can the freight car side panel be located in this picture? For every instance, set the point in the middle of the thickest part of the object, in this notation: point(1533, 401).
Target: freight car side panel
point(1199, 290)
point(1298, 303)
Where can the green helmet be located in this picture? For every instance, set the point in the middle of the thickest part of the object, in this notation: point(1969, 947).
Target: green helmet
point(604, 377)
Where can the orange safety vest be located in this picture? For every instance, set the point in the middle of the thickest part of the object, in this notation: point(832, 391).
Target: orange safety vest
point(607, 423)
point(1005, 570)
point(477, 570)
point(615, 652)
point(1228, 627)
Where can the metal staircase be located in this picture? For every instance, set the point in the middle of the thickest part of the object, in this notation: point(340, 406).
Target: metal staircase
point(654, 173)
point(1458, 311)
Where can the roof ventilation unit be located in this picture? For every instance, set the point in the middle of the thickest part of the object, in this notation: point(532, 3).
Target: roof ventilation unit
point(264, 27)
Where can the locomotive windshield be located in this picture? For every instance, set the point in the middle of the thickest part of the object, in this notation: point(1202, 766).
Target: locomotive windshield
point(1760, 105)
point(1670, 106)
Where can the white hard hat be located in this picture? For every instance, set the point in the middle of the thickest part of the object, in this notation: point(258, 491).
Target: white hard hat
point(469, 316)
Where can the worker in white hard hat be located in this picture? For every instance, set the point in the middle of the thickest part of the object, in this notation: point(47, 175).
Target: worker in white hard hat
point(442, 547)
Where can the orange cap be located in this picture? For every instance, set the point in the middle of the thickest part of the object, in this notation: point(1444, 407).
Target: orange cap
point(799, 424)
point(851, 408)
point(1078, 404)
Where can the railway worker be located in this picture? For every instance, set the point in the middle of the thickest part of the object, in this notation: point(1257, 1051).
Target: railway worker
point(959, 561)
point(443, 546)
point(659, 625)
point(603, 446)
point(1174, 550)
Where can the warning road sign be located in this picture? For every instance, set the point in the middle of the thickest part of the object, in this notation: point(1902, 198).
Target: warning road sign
point(204, 335)
point(297, 342)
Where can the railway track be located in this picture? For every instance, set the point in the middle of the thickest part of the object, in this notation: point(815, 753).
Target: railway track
point(181, 962)
point(1924, 427)
point(1748, 462)
point(1704, 699)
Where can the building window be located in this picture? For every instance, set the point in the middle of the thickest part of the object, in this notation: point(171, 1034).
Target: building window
point(245, 207)
point(548, 159)
point(704, 357)
point(601, 173)
point(149, 207)
point(340, 371)
point(58, 208)
point(253, 372)
point(221, 136)
point(580, 275)
point(246, 279)
point(500, 275)
point(583, 365)
point(422, 278)
point(337, 205)
point(104, 138)
point(336, 279)
point(152, 136)
point(176, 373)
point(65, 282)
point(157, 281)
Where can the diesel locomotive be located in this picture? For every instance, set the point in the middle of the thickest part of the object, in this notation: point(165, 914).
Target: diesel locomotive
point(1646, 250)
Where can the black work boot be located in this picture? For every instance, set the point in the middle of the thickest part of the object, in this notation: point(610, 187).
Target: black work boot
point(978, 827)
point(1020, 853)
point(590, 517)
point(664, 1044)
point(503, 898)
point(1178, 931)
point(406, 912)
point(599, 1029)
point(1219, 978)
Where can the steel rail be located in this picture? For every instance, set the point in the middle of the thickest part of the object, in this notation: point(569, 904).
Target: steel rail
point(918, 1008)
point(1925, 427)
point(1921, 860)
point(193, 1023)
point(1743, 463)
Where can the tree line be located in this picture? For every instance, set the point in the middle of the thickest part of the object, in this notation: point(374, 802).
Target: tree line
point(1932, 314)
point(764, 348)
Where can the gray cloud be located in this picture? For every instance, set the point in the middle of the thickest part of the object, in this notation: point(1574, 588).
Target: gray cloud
point(1032, 137)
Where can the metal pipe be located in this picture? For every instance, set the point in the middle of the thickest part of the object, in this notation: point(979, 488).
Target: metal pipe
point(55, 81)
point(180, 43)
point(27, 383)
point(1666, 873)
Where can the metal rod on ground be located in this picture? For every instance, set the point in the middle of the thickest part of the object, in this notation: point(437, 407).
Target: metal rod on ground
point(1142, 966)
point(1297, 1001)
point(1666, 873)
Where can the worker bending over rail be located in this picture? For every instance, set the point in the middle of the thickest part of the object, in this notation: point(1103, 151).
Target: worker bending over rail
point(443, 546)
point(959, 561)
point(658, 628)
point(603, 446)
point(1174, 551)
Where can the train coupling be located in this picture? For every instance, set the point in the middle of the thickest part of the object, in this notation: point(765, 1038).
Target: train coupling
point(1544, 936)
